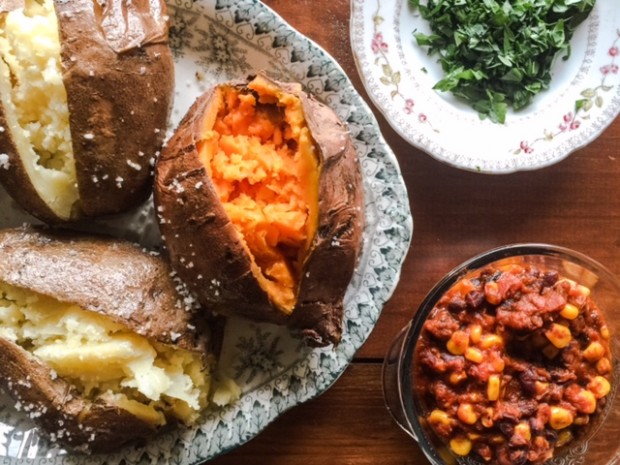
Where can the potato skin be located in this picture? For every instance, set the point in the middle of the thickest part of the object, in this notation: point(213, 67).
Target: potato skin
point(92, 427)
point(212, 258)
point(121, 93)
point(120, 85)
point(106, 276)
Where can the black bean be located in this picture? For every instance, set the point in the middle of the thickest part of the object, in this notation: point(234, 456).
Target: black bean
point(518, 456)
point(550, 278)
point(507, 428)
point(474, 299)
point(456, 305)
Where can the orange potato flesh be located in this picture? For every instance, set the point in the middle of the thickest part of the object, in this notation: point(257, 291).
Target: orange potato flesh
point(261, 159)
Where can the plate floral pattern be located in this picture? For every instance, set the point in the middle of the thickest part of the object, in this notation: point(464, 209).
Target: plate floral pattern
point(214, 41)
point(583, 99)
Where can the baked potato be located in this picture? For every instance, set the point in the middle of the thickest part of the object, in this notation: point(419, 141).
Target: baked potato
point(86, 90)
point(98, 343)
point(260, 203)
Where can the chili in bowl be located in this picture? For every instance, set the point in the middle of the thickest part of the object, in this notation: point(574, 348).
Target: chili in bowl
point(512, 358)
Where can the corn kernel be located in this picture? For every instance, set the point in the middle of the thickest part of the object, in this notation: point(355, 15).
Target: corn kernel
point(491, 293)
point(570, 312)
point(581, 420)
point(466, 414)
point(541, 388)
point(586, 401)
point(490, 340)
point(523, 430)
point(541, 443)
point(564, 437)
point(475, 331)
point(487, 417)
point(458, 343)
point(560, 418)
point(460, 446)
point(474, 355)
point(594, 352)
point(457, 377)
point(498, 364)
point(559, 335)
point(583, 290)
point(605, 332)
point(493, 386)
point(603, 366)
point(439, 417)
point(599, 386)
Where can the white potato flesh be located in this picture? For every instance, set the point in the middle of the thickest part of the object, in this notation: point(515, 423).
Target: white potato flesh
point(104, 358)
point(34, 99)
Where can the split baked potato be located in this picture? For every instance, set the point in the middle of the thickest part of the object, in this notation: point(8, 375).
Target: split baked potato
point(98, 343)
point(260, 203)
point(86, 90)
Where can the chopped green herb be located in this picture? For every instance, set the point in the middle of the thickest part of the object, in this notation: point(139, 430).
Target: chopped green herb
point(498, 54)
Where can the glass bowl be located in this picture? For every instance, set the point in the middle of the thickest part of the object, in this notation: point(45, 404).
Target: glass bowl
point(600, 442)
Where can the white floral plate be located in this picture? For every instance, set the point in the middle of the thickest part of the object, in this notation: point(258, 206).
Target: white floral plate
point(215, 41)
point(583, 99)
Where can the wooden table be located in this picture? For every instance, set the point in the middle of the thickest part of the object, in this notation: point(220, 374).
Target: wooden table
point(457, 214)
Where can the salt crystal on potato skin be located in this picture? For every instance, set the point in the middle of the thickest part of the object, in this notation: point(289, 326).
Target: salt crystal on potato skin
point(292, 275)
point(119, 88)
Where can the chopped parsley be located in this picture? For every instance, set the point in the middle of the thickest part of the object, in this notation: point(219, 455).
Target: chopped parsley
point(498, 54)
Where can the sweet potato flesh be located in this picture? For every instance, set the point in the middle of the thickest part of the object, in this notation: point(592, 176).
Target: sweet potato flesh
point(261, 158)
point(34, 101)
point(104, 359)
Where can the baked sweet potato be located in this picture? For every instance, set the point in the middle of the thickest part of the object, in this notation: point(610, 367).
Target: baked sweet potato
point(98, 343)
point(86, 90)
point(260, 203)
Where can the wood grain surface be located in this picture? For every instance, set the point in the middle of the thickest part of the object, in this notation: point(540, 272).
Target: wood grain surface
point(457, 214)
